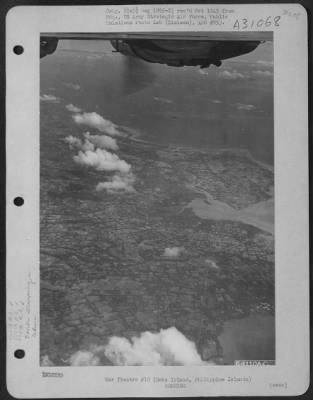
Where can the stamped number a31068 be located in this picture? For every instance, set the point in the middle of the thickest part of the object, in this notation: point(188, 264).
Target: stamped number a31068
point(246, 23)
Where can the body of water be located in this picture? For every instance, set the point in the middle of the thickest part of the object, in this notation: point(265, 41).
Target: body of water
point(260, 215)
point(249, 338)
point(226, 107)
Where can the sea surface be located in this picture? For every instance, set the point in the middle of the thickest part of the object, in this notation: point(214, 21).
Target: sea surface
point(226, 107)
point(249, 338)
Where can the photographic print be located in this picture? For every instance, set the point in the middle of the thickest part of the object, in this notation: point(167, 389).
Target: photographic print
point(157, 215)
point(157, 225)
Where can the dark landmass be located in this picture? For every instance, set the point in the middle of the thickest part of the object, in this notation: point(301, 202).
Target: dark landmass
point(103, 269)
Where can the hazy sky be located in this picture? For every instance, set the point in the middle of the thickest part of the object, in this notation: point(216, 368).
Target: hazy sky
point(227, 106)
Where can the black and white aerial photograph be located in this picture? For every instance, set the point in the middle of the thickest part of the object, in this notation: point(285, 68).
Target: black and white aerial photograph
point(156, 200)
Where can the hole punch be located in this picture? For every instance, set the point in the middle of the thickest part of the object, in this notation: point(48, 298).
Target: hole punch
point(18, 50)
point(18, 201)
point(19, 354)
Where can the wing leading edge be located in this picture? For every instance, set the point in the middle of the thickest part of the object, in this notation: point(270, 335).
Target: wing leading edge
point(220, 36)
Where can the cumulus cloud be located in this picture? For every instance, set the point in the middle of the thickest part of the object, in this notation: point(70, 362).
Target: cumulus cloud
point(95, 120)
point(87, 146)
point(73, 141)
point(76, 143)
point(91, 142)
point(102, 160)
point(74, 86)
point(49, 97)
point(244, 107)
point(173, 251)
point(266, 74)
point(46, 362)
point(167, 347)
point(72, 108)
point(102, 141)
point(84, 359)
point(118, 183)
point(163, 100)
point(93, 152)
point(217, 101)
point(231, 75)
point(212, 264)
point(265, 63)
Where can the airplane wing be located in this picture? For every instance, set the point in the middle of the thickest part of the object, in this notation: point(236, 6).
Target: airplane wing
point(218, 36)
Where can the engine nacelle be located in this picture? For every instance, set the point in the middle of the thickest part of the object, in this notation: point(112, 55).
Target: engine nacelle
point(48, 45)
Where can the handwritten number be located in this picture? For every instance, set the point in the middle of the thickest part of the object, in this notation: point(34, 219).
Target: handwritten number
point(236, 25)
point(276, 21)
point(268, 21)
